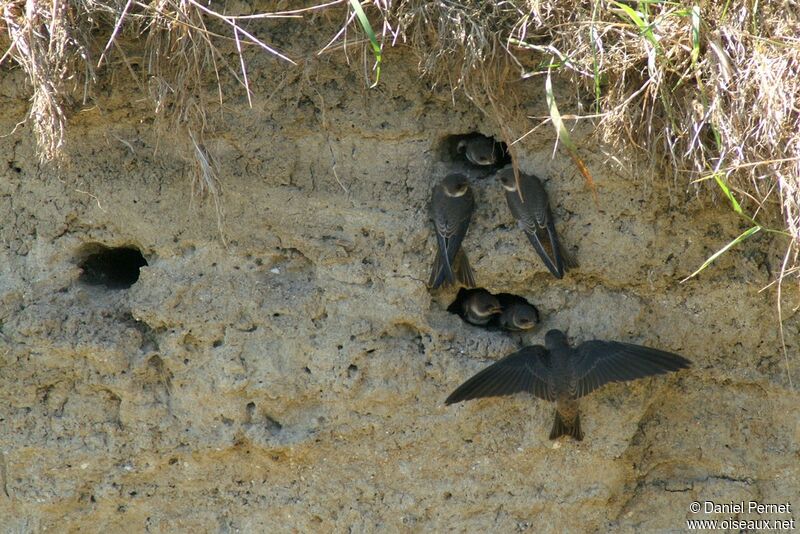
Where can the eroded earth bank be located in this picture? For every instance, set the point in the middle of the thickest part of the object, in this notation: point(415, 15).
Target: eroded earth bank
point(289, 372)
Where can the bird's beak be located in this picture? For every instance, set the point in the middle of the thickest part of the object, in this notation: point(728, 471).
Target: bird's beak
point(496, 310)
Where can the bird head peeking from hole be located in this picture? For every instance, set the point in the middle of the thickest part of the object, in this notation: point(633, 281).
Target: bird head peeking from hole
point(519, 317)
point(479, 150)
point(480, 306)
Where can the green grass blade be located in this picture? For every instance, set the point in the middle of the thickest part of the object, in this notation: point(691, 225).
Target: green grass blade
point(555, 116)
point(725, 189)
point(373, 39)
point(563, 134)
point(725, 10)
point(695, 35)
point(744, 235)
point(644, 28)
point(593, 38)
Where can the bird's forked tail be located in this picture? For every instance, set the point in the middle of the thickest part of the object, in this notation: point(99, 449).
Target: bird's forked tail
point(444, 275)
point(562, 428)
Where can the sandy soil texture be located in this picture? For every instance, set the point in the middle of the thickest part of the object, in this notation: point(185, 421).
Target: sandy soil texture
point(294, 379)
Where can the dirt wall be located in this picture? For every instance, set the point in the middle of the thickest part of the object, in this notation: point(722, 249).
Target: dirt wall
point(292, 378)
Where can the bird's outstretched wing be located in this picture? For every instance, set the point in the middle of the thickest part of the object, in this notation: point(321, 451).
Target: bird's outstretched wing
point(525, 370)
point(601, 362)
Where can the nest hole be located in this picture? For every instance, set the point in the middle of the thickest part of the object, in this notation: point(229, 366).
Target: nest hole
point(352, 370)
point(272, 425)
point(111, 267)
point(250, 410)
point(488, 153)
point(489, 310)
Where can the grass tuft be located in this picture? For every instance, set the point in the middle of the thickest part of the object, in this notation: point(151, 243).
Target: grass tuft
point(376, 47)
point(563, 134)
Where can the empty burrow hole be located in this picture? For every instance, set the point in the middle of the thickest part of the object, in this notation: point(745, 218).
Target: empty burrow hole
point(452, 148)
point(493, 305)
point(111, 267)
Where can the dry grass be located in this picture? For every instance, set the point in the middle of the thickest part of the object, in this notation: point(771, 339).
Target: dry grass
point(60, 44)
point(706, 88)
point(51, 54)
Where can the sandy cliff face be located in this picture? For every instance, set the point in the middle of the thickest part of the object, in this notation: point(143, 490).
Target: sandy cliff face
point(295, 379)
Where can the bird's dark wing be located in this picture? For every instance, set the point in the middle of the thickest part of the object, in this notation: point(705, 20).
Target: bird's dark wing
point(525, 370)
point(452, 224)
point(554, 264)
point(451, 219)
point(442, 272)
point(535, 204)
point(599, 362)
point(536, 220)
point(463, 270)
point(555, 245)
point(445, 274)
